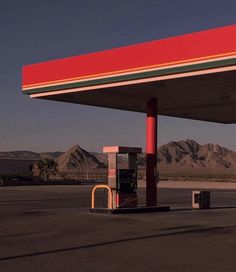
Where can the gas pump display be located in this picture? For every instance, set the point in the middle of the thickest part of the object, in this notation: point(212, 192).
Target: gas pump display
point(126, 180)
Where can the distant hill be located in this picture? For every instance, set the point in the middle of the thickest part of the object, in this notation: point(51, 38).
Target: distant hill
point(50, 155)
point(176, 155)
point(19, 155)
point(29, 155)
point(191, 154)
point(77, 158)
point(188, 154)
point(122, 160)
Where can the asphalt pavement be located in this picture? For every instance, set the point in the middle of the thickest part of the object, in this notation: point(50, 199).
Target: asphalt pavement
point(50, 228)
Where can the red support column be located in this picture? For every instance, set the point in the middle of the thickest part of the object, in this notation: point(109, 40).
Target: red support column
point(151, 153)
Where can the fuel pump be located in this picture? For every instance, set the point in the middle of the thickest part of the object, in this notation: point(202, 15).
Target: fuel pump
point(122, 182)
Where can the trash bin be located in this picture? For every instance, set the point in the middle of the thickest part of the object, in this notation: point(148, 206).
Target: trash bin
point(201, 199)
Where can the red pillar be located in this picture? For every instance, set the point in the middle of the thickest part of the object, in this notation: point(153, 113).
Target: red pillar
point(151, 153)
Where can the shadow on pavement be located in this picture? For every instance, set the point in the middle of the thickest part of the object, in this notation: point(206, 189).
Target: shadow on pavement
point(218, 230)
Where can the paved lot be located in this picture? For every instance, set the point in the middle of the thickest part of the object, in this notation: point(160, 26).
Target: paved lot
point(49, 228)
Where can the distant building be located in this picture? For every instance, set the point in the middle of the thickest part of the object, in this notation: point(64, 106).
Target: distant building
point(16, 166)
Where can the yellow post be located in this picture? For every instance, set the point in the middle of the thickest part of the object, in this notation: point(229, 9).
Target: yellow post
point(109, 195)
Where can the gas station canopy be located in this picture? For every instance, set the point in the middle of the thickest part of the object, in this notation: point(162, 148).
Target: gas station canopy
point(192, 76)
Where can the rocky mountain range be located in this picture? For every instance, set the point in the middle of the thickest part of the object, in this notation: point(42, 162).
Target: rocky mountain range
point(180, 154)
point(191, 154)
point(29, 155)
point(77, 158)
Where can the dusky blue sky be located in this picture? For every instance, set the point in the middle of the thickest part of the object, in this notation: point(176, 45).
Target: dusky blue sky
point(33, 31)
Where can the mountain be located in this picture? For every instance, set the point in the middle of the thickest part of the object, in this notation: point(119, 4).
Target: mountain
point(50, 155)
point(187, 154)
point(19, 155)
point(174, 155)
point(76, 158)
point(122, 160)
point(100, 157)
point(29, 155)
point(191, 154)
